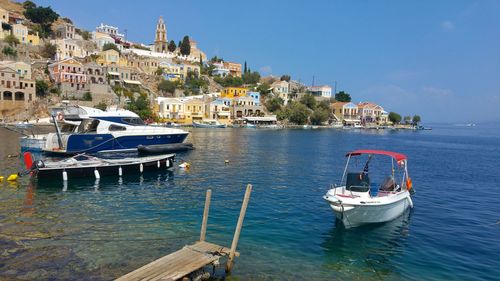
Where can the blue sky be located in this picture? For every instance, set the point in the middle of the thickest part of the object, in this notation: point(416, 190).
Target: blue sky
point(439, 59)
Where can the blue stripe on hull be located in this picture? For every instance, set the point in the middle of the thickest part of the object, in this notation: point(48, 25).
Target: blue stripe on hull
point(97, 142)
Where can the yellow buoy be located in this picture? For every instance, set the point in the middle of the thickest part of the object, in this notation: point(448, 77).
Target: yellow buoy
point(1, 178)
point(12, 177)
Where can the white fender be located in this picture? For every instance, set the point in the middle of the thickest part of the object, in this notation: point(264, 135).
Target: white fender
point(120, 171)
point(65, 175)
point(409, 200)
point(97, 175)
point(141, 168)
point(167, 163)
point(158, 163)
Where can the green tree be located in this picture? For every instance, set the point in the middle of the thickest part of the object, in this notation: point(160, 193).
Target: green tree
point(28, 5)
point(416, 119)
point(140, 106)
point(342, 96)
point(324, 104)
point(9, 51)
point(87, 96)
point(319, 116)
point(299, 113)
point(167, 86)
point(110, 46)
point(44, 16)
point(251, 77)
point(264, 89)
point(245, 69)
point(49, 50)
point(407, 119)
point(229, 81)
point(283, 114)
point(159, 71)
point(102, 106)
point(171, 46)
point(11, 40)
point(309, 101)
point(194, 83)
point(185, 47)
point(285, 77)
point(41, 88)
point(394, 117)
point(216, 59)
point(274, 104)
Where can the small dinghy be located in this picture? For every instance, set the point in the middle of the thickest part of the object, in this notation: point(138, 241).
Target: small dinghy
point(89, 166)
point(359, 201)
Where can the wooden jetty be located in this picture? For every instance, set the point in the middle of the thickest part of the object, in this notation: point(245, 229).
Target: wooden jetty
point(193, 257)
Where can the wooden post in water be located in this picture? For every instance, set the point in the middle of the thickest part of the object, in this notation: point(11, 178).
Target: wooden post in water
point(205, 216)
point(229, 264)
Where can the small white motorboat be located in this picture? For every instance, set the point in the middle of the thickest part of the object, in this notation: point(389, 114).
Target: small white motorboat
point(357, 201)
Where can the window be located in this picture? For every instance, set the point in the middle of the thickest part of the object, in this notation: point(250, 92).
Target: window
point(133, 121)
point(116, 128)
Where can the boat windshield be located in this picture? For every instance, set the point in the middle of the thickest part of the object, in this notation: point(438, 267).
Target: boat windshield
point(88, 126)
point(134, 121)
point(68, 128)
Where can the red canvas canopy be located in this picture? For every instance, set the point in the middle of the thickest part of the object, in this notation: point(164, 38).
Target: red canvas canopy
point(395, 155)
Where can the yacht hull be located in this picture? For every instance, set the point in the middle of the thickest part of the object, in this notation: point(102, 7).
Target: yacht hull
point(92, 143)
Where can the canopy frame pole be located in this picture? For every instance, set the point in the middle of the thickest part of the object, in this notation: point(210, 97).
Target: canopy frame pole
point(345, 171)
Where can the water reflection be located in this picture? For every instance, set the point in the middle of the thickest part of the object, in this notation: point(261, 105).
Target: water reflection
point(371, 249)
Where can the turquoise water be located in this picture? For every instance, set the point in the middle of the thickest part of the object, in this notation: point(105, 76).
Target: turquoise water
point(102, 230)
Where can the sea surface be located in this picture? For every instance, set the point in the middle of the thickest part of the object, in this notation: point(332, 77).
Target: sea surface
point(101, 230)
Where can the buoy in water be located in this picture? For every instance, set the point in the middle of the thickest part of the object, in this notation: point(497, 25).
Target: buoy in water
point(226, 161)
point(120, 171)
point(12, 177)
point(1, 178)
point(185, 165)
point(96, 174)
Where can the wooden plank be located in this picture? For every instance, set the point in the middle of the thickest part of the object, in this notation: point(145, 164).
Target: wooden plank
point(179, 264)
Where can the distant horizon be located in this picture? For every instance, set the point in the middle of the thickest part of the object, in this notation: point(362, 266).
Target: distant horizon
point(438, 60)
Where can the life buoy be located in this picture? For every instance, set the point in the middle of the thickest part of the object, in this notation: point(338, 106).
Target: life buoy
point(408, 184)
point(60, 116)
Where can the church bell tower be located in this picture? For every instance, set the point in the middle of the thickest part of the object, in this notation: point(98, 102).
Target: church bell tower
point(161, 37)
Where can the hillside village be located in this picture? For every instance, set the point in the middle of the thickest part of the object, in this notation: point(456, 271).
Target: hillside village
point(46, 59)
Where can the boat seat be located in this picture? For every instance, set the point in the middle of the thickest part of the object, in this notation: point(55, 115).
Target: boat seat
point(358, 182)
point(389, 184)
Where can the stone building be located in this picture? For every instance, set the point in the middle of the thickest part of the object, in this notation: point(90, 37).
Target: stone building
point(16, 91)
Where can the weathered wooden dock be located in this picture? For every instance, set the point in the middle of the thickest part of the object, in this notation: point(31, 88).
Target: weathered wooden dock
point(192, 258)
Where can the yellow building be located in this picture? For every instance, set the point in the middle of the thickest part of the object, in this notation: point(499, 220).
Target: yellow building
point(20, 32)
point(33, 38)
point(4, 15)
point(233, 92)
point(194, 109)
point(111, 57)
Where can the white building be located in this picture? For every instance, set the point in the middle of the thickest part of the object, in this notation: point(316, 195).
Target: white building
point(110, 30)
point(281, 89)
point(101, 38)
point(321, 91)
point(171, 108)
point(220, 70)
